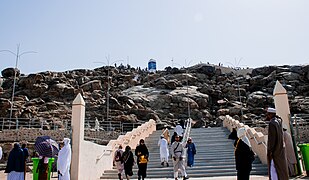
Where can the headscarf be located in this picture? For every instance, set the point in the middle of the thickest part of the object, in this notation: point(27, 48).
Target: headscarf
point(64, 157)
point(189, 140)
point(241, 134)
point(16, 160)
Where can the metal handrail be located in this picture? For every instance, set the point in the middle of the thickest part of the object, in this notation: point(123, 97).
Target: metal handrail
point(104, 152)
point(187, 131)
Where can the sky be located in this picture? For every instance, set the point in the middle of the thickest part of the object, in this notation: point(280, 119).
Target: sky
point(74, 34)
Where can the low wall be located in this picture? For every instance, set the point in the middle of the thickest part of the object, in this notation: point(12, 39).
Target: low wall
point(257, 139)
point(25, 134)
point(132, 138)
point(97, 158)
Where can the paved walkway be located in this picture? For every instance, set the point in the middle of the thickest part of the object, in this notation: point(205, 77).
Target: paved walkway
point(29, 177)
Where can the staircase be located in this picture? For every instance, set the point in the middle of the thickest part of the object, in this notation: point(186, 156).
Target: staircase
point(215, 157)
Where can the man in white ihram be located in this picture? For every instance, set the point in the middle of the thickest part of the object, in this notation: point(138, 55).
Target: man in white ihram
point(178, 154)
point(163, 150)
point(64, 160)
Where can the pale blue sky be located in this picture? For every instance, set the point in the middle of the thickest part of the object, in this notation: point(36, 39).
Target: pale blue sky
point(71, 34)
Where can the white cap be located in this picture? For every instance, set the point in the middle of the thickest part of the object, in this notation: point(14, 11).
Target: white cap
point(271, 110)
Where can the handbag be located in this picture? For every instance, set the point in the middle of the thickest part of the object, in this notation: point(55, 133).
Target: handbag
point(143, 159)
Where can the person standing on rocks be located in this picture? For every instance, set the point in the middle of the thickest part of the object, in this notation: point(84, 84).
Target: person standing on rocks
point(277, 166)
point(178, 153)
point(142, 154)
point(163, 150)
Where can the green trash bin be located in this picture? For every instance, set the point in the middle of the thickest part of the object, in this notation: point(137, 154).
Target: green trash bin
point(35, 166)
point(304, 148)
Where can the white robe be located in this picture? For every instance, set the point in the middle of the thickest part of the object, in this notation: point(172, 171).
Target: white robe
point(64, 160)
point(164, 153)
point(177, 151)
point(13, 175)
point(1, 153)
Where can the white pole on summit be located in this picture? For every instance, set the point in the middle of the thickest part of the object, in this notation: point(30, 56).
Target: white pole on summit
point(282, 104)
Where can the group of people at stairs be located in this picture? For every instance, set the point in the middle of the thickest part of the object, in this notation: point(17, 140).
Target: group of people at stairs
point(177, 150)
point(280, 154)
point(124, 160)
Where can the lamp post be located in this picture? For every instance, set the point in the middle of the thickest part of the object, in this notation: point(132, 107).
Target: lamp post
point(108, 85)
point(187, 72)
point(236, 68)
point(18, 55)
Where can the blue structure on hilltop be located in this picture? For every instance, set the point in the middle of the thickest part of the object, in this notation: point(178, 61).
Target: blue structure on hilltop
point(152, 66)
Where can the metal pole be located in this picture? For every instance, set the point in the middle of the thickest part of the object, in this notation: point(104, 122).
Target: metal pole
point(240, 99)
point(299, 171)
point(18, 55)
point(2, 123)
point(14, 83)
point(108, 86)
point(188, 94)
point(107, 96)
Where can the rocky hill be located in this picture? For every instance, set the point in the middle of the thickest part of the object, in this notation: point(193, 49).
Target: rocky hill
point(207, 91)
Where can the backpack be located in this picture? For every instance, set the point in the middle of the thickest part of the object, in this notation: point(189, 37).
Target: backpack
point(118, 157)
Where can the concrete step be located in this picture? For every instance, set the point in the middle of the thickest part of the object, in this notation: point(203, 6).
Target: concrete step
point(191, 173)
point(215, 156)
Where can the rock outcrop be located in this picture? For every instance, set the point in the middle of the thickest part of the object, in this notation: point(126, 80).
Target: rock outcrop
point(134, 95)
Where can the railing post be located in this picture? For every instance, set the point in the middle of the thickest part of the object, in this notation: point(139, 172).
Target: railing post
point(121, 126)
point(16, 124)
point(2, 123)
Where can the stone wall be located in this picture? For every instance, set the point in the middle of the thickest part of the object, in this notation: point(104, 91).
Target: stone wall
point(31, 134)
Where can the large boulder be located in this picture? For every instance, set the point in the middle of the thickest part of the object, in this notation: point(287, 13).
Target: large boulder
point(204, 69)
point(259, 99)
point(264, 71)
point(92, 85)
point(10, 72)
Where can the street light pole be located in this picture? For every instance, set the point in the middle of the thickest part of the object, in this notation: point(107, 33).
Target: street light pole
point(108, 85)
point(236, 68)
point(15, 72)
point(187, 73)
point(188, 94)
